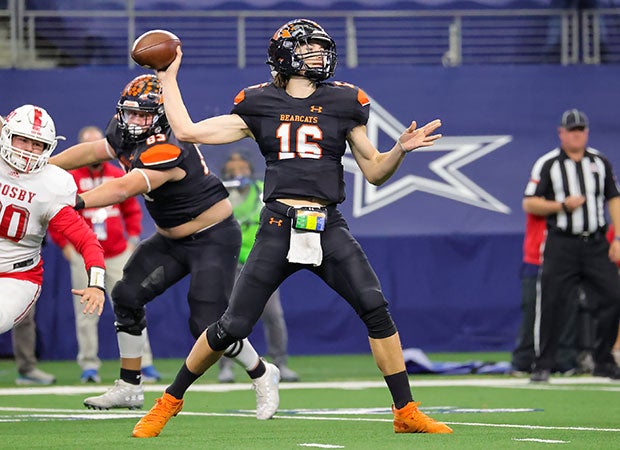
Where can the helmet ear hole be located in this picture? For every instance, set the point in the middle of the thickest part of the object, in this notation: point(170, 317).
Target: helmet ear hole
point(284, 59)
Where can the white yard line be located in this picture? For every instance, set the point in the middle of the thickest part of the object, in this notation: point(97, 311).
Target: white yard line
point(556, 383)
point(320, 445)
point(78, 414)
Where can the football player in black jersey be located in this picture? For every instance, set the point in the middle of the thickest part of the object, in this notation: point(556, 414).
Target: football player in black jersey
point(302, 125)
point(196, 234)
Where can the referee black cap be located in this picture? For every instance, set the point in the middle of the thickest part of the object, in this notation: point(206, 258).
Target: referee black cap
point(573, 119)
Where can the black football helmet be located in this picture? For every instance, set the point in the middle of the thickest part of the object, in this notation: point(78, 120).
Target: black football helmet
point(284, 60)
point(143, 93)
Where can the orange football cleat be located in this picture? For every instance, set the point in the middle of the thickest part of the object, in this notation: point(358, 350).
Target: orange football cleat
point(409, 419)
point(156, 419)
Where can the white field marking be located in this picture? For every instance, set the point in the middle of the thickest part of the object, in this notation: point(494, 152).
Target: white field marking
point(50, 417)
point(79, 414)
point(532, 427)
point(340, 385)
point(387, 411)
point(123, 412)
point(544, 441)
point(320, 445)
point(311, 412)
point(577, 387)
point(100, 415)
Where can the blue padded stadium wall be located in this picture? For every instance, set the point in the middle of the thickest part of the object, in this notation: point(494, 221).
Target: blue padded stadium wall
point(444, 234)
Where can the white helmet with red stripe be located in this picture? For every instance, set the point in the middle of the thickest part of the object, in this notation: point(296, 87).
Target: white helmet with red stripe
point(32, 122)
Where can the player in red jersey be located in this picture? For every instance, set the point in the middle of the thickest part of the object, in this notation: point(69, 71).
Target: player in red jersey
point(35, 196)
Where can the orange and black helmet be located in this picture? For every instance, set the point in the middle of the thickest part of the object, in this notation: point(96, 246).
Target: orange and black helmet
point(143, 93)
point(285, 58)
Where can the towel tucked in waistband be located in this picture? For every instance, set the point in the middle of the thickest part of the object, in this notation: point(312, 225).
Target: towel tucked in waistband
point(305, 247)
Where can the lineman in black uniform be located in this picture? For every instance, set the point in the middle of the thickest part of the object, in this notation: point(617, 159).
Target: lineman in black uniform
point(196, 235)
point(570, 185)
point(302, 125)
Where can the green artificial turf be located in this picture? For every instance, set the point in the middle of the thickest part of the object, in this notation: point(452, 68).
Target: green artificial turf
point(485, 411)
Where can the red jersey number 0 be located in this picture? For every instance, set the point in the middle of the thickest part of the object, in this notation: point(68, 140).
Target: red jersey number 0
point(13, 222)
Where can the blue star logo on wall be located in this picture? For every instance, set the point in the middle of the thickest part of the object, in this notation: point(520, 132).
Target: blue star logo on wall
point(457, 151)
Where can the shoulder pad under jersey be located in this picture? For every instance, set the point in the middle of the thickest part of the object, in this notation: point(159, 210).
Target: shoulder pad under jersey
point(362, 98)
point(160, 154)
point(241, 96)
point(61, 189)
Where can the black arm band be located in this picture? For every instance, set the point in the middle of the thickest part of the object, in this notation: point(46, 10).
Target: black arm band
point(96, 278)
point(79, 203)
point(565, 208)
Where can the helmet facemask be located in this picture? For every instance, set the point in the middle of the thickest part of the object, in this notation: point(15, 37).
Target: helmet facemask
point(327, 57)
point(133, 130)
point(287, 57)
point(30, 122)
point(142, 96)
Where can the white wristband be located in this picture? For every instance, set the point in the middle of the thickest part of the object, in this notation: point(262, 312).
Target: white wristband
point(96, 278)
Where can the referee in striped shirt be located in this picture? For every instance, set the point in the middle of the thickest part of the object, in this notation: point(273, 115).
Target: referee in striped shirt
point(570, 186)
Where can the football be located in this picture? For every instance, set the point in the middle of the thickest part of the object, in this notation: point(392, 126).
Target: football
point(155, 49)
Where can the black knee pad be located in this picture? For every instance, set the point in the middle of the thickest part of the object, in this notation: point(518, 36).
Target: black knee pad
point(238, 326)
point(129, 320)
point(379, 323)
point(128, 310)
point(218, 338)
point(121, 293)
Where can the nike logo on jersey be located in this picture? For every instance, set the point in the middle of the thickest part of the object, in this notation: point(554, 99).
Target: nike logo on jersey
point(298, 118)
point(14, 192)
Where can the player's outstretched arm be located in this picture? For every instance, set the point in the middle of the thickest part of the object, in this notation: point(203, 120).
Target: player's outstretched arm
point(73, 227)
point(83, 154)
point(214, 130)
point(378, 167)
point(136, 182)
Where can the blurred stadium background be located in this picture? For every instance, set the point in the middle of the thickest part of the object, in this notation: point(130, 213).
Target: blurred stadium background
point(444, 235)
point(47, 33)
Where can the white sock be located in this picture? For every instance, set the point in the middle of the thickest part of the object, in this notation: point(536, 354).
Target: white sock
point(247, 357)
point(131, 346)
